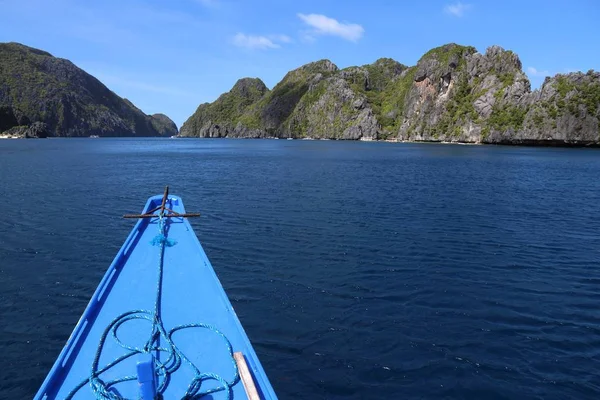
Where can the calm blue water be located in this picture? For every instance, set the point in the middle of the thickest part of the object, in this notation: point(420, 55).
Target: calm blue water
point(359, 270)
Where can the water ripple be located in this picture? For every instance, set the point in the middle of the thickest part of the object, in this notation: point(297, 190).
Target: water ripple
point(359, 270)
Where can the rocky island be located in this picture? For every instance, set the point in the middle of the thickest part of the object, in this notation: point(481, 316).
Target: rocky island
point(42, 95)
point(453, 94)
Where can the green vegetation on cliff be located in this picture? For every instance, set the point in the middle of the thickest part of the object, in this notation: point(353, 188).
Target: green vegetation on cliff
point(163, 125)
point(394, 100)
point(572, 94)
point(255, 108)
point(229, 108)
point(507, 116)
point(454, 93)
point(459, 110)
point(277, 105)
point(447, 54)
point(376, 82)
point(37, 87)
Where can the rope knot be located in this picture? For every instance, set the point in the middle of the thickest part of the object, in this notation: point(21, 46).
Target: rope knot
point(162, 239)
point(101, 391)
point(193, 388)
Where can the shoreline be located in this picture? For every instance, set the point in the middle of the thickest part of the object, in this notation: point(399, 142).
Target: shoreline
point(519, 143)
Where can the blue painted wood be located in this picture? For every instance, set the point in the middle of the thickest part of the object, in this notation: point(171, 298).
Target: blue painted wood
point(192, 293)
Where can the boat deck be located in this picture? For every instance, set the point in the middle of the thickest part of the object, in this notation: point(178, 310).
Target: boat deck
point(191, 293)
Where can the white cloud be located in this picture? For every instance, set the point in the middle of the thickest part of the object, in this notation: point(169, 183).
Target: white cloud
point(535, 72)
point(254, 42)
point(281, 38)
point(324, 25)
point(457, 9)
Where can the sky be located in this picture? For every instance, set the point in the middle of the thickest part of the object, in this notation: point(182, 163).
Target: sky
point(170, 56)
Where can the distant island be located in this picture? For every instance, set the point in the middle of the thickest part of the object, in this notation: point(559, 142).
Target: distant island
point(42, 95)
point(453, 94)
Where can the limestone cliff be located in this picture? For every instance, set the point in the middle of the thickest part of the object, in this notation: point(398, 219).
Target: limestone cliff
point(44, 95)
point(454, 94)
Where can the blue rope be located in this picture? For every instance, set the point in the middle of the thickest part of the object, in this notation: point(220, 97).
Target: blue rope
point(105, 390)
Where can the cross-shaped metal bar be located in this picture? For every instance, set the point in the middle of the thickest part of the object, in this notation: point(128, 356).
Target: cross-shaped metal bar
point(162, 208)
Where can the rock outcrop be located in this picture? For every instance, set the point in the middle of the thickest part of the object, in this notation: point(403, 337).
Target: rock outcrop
point(453, 94)
point(222, 117)
point(37, 87)
point(37, 130)
point(163, 125)
point(459, 95)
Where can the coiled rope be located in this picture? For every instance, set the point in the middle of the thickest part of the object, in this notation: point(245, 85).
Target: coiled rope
point(163, 370)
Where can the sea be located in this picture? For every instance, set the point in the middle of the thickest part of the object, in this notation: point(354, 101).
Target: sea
point(359, 270)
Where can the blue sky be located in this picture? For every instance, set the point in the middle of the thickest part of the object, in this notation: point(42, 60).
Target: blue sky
point(170, 56)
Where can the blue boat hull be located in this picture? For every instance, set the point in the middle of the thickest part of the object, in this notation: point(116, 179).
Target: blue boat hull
point(190, 293)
